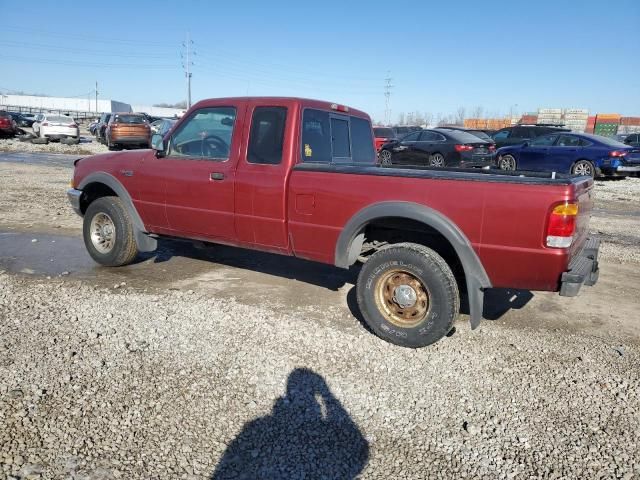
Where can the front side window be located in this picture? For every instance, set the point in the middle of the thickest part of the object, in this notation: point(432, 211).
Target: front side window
point(206, 134)
point(412, 137)
point(544, 141)
point(267, 135)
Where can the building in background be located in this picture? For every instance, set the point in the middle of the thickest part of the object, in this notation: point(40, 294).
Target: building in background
point(87, 106)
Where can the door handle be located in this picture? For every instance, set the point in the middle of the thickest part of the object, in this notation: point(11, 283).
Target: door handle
point(216, 176)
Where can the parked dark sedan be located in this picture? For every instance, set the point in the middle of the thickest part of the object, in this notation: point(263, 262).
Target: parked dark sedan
point(440, 147)
point(577, 153)
point(21, 120)
point(632, 139)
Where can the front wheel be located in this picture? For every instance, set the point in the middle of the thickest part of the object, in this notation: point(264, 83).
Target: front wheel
point(108, 232)
point(583, 167)
point(385, 157)
point(408, 295)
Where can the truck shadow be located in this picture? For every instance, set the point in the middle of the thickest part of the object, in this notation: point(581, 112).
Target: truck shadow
point(498, 301)
point(307, 434)
point(322, 275)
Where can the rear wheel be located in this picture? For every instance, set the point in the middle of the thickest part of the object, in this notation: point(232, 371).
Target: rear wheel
point(436, 160)
point(108, 232)
point(408, 295)
point(583, 167)
point(507, 162)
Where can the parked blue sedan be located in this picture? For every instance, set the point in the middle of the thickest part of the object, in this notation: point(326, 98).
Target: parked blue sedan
point(577, 153)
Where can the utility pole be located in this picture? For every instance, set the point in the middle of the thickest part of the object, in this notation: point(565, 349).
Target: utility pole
point(187, 63)
point(387, 95)
point(96, 96)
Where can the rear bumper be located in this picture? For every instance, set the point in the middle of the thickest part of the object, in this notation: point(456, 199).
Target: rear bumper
point(130, 140)
point(583, 269)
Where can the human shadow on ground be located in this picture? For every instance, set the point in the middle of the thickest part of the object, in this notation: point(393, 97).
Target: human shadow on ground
point(308, 434)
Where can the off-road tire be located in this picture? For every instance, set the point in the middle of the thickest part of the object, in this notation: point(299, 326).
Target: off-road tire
point(432, 272)
point(125, 248)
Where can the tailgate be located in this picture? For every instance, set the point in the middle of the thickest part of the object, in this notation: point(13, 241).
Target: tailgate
point(584, 195)
point(130, 131)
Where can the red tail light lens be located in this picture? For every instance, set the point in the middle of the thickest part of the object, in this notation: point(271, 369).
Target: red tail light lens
point(492, 147)
point(562, 225)
point(463, 148)
point(45, 124)
point(73, 125)
point(618, 153)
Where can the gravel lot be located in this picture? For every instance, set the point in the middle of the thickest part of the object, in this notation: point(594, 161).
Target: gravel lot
point(194, 379)
point(114, 383)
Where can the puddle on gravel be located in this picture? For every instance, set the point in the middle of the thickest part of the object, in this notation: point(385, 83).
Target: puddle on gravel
point(250, 276)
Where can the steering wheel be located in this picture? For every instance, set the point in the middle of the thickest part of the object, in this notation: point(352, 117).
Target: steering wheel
point(214, 146)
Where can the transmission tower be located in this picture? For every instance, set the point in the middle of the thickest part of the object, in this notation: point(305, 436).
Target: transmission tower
point(187, 55)
point(387, 97)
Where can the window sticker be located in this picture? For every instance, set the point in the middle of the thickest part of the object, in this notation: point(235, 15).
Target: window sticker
point(307, 150)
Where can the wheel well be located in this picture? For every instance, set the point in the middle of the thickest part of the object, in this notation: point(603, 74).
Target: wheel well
point(92, 192)
point(390, 230)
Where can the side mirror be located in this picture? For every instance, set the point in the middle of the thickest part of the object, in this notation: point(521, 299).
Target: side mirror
point(157, 143)
point(525, 144)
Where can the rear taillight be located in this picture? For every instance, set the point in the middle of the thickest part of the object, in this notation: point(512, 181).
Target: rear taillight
point(45, 124)
point(73, 125)
point(618, 153)
point(562, 225)
point(463, 148)
point(492, 147)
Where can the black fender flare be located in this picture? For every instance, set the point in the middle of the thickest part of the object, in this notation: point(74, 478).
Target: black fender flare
point(143, 240)
point(351, 239)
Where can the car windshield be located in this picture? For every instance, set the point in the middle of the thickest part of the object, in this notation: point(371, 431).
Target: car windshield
point(130, 119)
point(60, 119)
point(479, 134)
point(383, 132)
point(464, 137)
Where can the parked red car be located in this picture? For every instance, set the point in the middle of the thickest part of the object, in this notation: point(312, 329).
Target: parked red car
point(383, 135)
point(8, 127)
point(299, 177)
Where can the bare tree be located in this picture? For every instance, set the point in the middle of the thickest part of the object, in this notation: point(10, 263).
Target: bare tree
point(478, 112)
point(401, 119)
point(460, 115)
point(411, 118)
point(428, 119)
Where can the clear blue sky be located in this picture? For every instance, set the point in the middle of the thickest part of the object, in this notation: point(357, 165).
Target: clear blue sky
point(441, 55)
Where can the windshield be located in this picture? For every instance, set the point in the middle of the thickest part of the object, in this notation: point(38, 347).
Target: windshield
point(60, 119)
point(612, 142)
point(479, 134)
point(130, 119)
point(383, 132)
point(465, 137)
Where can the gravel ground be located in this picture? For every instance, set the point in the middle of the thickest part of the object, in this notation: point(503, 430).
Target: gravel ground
point(193, 381)
point(119, 383)
point(87, 147)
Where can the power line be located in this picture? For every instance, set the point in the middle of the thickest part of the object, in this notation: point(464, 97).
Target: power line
point(387, 98)
point(187, 63)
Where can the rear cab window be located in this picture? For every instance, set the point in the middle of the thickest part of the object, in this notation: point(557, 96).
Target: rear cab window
point(329, 137)
point(129, 119)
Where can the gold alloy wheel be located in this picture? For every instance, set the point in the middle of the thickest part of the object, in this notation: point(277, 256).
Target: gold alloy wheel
point(402, 298)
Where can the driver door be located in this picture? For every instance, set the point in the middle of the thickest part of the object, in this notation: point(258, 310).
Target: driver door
point(199, 170)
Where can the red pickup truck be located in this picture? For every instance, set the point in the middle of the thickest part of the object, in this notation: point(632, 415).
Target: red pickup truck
point(299, 177)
